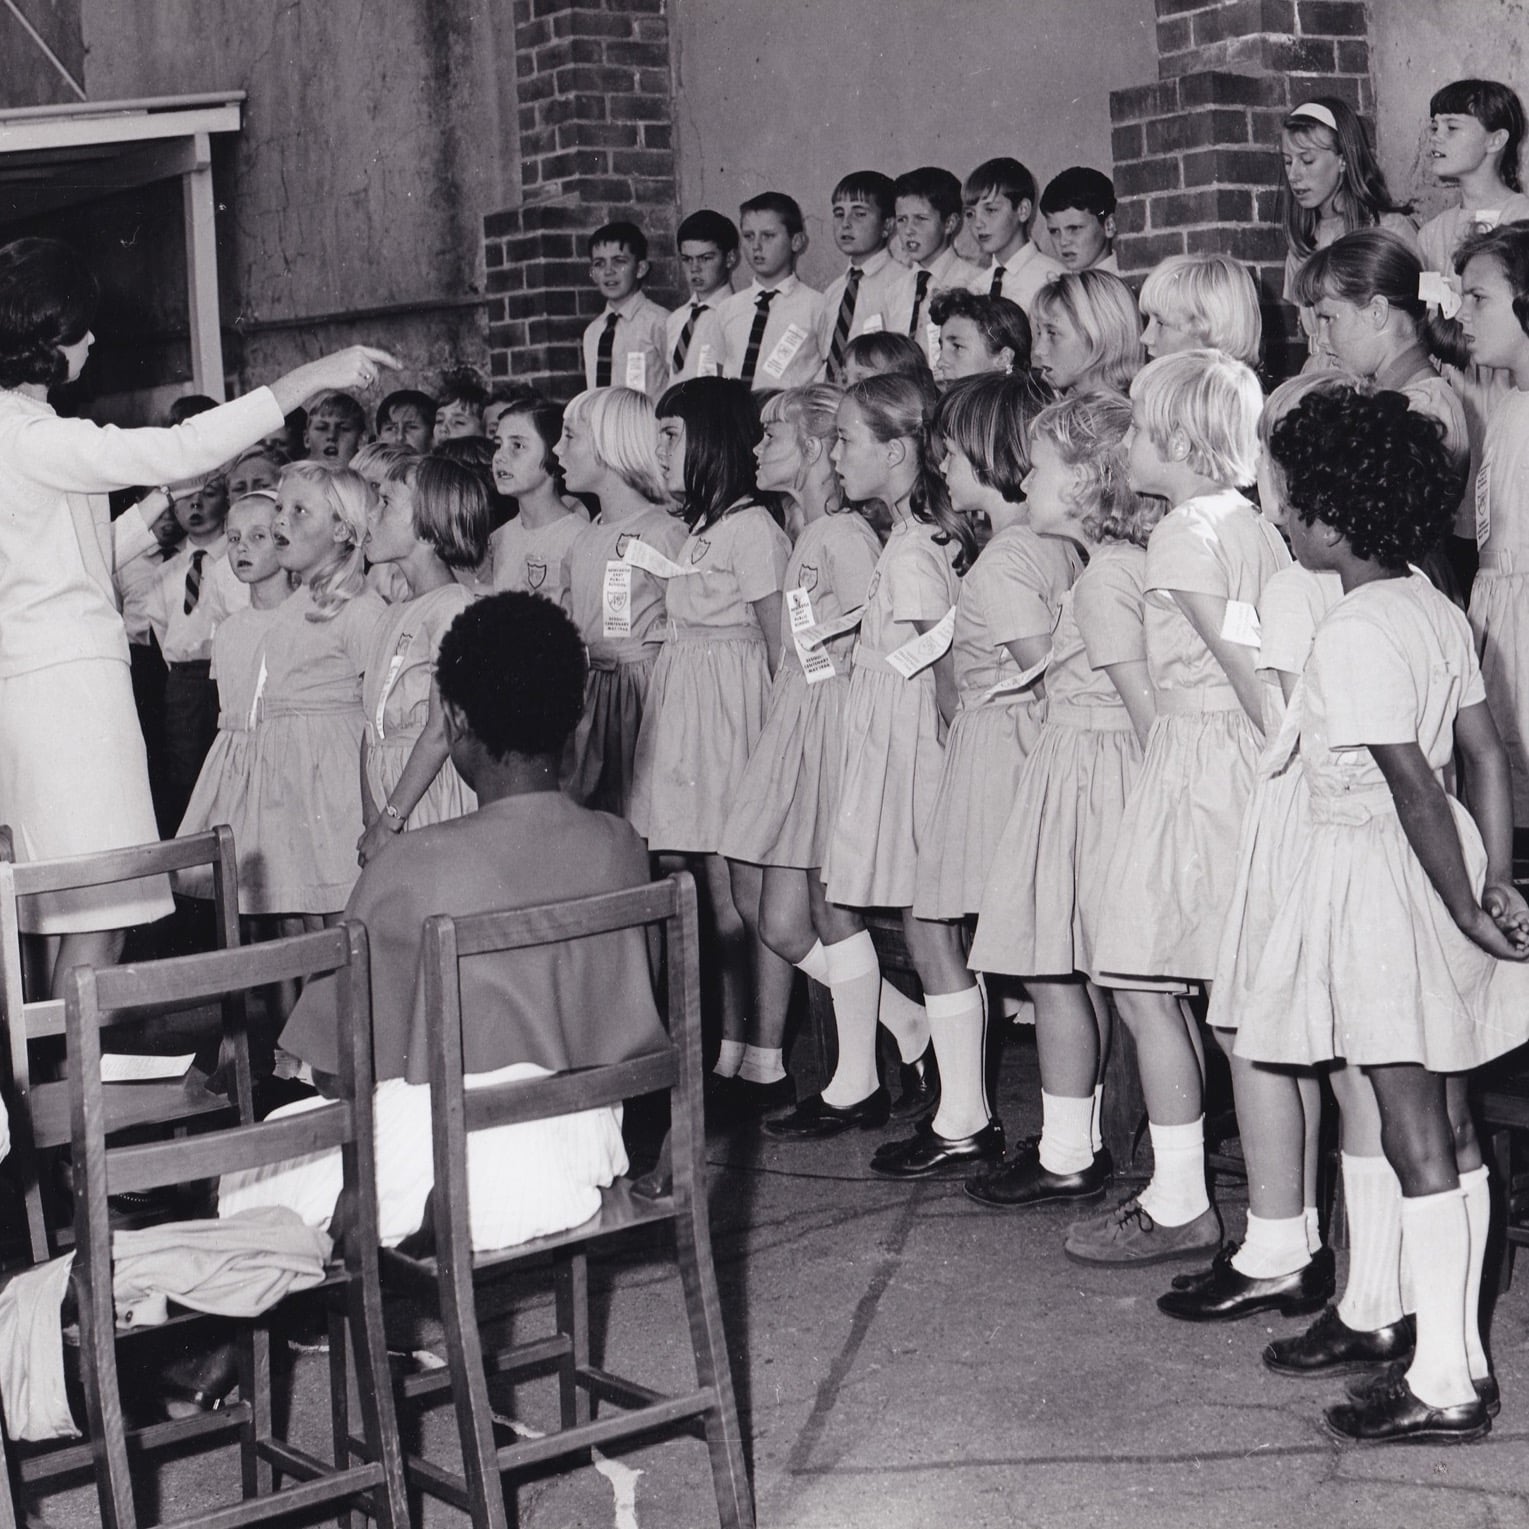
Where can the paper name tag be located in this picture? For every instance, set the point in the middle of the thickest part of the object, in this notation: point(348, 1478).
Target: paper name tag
point(874, 324)
point(616, 601)
point(259, 693)
point(1015, 682)
point(817, 666)
point(811, 637)
point(651, 560)
point(116, 1068)
point(785, 351)
point(706, 362)
point(1485, 219)
point(1240, 625)
point(799, 609)
point(1483, 504)
point(921, 651)
point(1441, 292)
point(932, 341)
point(637, 371)
point(395, 667)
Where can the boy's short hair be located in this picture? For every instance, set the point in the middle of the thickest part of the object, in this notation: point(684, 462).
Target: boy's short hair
point(407, 398)
point(624, 235)
point(1211, 295)
point(708, 227)
point(1214, 400)
point(462, 385)
point(1078, 187)
point(940, 188)
point(188, 406)
point(866, 186)
point(343, 407)
point(784, 207)
point(999, 177)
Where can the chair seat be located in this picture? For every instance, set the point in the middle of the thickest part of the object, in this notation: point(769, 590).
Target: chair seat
point(127, 1105)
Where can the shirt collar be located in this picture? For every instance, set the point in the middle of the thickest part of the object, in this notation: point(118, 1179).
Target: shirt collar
point(872, 264)
point(1022, 256)
point(785, 286)
point(628, 305)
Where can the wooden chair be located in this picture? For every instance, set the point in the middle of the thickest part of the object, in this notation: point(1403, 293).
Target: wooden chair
point(40, 1110)
point(1501, 1100)
point(98, 999)
point(489, 1448)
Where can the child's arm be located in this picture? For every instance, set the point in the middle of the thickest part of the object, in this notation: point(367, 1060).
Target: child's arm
point(946, 697)
point(369, 807)
point(1027, 652)
point(1489, 796)
point(423, 765)
point(767, 614)
point(1206, 614)
point(1133, 683)
point(1423, 809)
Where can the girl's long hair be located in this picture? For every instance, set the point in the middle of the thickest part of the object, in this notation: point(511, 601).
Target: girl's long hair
point(721, 421)
point(350, 498)
point(1362, 193)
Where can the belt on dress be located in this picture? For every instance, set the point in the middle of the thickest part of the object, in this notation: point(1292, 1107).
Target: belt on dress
point(686, 631)
point(1353, 807)
point(1096, 719)
point(1205, 698)
point(1505, 561)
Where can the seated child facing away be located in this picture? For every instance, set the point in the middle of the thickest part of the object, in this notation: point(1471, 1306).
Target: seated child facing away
point(1079, 208)
point(1000, 206)
point(627, 344)
point(708, 246)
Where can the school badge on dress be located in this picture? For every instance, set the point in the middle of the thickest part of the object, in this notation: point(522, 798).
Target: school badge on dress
point(809, 577)
point(536, 573)
point(700, 550)
point(622, 543)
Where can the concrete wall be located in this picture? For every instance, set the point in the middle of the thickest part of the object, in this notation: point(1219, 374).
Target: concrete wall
point(1418, 45)
point(790, 94)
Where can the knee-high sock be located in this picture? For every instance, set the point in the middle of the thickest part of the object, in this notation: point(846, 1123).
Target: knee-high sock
point(1478, 1211)
point(908, 1022)
point(1437, 1235)
point(1177, 1193)
point(854, 979)
point(1373, 1195)
point(958, 1027)
point(815, 963)
point(1096, 1119)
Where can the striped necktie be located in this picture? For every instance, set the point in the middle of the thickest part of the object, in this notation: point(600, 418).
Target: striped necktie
point(756, 333)
point(996, 290)
point(682, 345)
point(193, 583)
point(920, 292)
point(603, 351)
point(844, 323)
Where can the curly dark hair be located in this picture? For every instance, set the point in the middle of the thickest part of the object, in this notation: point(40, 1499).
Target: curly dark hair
point(514, 665)
point(1371, 468)
point(48, 299)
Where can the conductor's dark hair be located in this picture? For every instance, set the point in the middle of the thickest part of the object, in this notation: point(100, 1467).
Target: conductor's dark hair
point(48, 299)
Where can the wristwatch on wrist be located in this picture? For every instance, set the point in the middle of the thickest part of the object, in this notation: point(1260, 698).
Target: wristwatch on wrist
point(394, 817)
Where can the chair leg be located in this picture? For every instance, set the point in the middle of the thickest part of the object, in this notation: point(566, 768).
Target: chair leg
point(1502, 1163)
point(469, 1394)
point(336, 1319)
point(252, 1355)
point(103, 1412)
point(571, 1286)
point(9, 1499)
point(374, 1383)
point(703, 1307)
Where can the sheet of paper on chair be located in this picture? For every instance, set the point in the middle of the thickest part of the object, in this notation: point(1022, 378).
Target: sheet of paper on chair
point(143, 1069)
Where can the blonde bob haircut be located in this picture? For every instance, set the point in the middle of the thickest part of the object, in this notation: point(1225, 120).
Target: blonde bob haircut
point(1210, 399)
point(812, 412)
point(1100, 307)
point(379, 460)
point(1213, 297)
point(624, 435)
point(350, 499)
point(1089, 432)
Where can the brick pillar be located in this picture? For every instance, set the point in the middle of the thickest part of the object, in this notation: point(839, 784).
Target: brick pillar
point(1197, 152)
point(596, 143)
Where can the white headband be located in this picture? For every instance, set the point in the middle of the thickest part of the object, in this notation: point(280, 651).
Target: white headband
point(1318, 113)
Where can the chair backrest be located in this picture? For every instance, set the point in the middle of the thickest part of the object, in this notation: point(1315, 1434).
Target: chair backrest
point(669, 905)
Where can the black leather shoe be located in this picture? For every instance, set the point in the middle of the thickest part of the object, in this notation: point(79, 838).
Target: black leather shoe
point(918, 1086)
point(1225, 1295)
point(925, 1154)
point(1367, 1386)
point(1391, 1414)
point(1023, 1181)
point(1331, 1347)
point(814, 1118)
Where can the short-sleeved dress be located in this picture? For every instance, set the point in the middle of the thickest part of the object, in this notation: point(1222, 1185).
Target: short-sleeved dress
point(395, 698)
point(788, 797)
point(1171, 875)
point(1013, 591)
point(893, 743)
point(1500, 596)
point(535, 558)
point(1363, 960)
point(620, 667)
point(305, 783)
point(1040, 907)
point(1278, 820)
point(222, 791)
point(711, 685)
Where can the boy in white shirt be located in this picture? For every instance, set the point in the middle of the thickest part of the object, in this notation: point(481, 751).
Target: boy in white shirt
point(1000, 206)
point(927, 204)
point(708, 246)
point(625, 346)
point(768, 333)
point(861, 300)
point(1079, 208)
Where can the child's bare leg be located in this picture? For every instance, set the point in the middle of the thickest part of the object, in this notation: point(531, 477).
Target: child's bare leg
point(763, 1059)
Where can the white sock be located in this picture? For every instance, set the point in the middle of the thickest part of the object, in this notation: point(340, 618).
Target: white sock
point(729, 1059)
point(1478, 1212)
point(1065, 1122)
point(958, 1027)
point(854, 980)
point(1372, 1193)
point(1177, 1192)
point(1437, 1232)
point(1313, 1230)
point(908, 1022)
point(1095, 1134)
point(815, 963)
point(1272, 1247)
point(762, 1064)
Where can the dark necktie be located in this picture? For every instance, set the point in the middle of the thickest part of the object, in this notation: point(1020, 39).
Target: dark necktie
point(844, 323)
point(604, 349)
point(756, 333)
point(996, 290)
point(193, 583)
point(920, 292)
point(682, 345)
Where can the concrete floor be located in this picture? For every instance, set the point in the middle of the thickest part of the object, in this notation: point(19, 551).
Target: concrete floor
point(905, 1359)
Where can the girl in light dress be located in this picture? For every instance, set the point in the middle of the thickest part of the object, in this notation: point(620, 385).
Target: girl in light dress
point(431, 518)
point(1393, 863)
point(299, 856)
point(788, 796)
point(1045, 884)
point(707, 702)
point(1087, 333)
point(609, 448)
point(530, 552)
